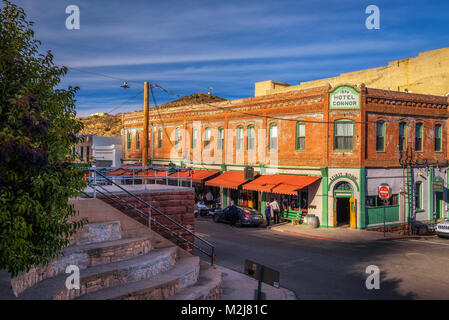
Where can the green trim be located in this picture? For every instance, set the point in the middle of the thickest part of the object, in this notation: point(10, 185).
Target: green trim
point(361, 215)
point(420, 131)
point(404, 144)
point(298, 124)
point(440, 147)
point(430, 195)
point(347, 177)
point(337, 90)
point(269, 137)
point(325, 198)
point(382, 136)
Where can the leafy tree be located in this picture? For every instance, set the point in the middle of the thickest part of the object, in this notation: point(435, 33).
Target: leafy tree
point(37, 133)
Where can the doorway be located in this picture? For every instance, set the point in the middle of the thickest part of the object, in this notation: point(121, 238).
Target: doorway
point(343, 212)
point(439, 204)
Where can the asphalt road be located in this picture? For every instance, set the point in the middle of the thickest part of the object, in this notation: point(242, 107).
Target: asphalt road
point(322, 269)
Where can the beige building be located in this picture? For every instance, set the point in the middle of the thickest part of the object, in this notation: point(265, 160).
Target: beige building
point(428, 73)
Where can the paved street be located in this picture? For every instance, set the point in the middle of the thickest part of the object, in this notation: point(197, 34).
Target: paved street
point(322, 269)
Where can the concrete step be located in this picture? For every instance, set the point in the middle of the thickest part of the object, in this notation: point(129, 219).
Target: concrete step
point(83, 256)
point(183, 274)
point(208, 286)
point(98, 232)
point(105, 276)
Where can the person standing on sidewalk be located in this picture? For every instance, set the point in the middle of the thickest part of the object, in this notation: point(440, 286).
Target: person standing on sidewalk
point(268, 214)
point(276, 211)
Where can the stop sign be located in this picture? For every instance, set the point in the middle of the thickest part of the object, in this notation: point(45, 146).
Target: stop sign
point(384, 191)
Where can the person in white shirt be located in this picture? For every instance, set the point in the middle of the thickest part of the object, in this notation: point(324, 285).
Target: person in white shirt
point(275, 209)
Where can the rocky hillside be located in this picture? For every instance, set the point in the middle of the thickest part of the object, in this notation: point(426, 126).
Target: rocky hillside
point(110, 125)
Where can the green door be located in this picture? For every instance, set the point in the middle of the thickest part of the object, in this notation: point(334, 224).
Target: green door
point(439, 204)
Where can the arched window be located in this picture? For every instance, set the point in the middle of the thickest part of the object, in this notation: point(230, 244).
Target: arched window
point(380, 136)
point(251, 143)
point(273, 137)
point(177, 138)
point(418, 139)
point(159, 138)
point(343, 186)
point(300, 136)
point(239, 138)
point(220, 142)
point(402, 137)
point(137, 139)
point(438, 137)
point(207, 138)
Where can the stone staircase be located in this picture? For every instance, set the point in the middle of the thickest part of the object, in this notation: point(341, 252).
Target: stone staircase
point(116, 264)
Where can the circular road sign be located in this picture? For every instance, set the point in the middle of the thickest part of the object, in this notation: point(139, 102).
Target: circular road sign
point(384, 191)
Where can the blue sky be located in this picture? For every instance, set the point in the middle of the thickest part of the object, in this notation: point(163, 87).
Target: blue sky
point(189, 46)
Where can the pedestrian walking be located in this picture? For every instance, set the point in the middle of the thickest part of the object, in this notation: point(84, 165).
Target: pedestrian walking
point(276, 211)
point(268, 215)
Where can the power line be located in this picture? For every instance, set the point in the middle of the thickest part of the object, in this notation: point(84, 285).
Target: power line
point(132, 98)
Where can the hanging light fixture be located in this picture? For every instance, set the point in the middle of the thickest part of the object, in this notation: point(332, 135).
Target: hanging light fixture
point(125, 85)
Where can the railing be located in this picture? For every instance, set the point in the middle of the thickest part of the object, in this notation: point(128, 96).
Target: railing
point(147, 175)
point(101, 189)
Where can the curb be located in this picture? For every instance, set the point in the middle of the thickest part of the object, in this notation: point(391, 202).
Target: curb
point(309, 236)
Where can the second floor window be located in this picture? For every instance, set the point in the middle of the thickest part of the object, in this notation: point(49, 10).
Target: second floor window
point(300, 136)
point(239, 138)
point(402, 137)
point(207, 138)
point(418, 140)
point(87, 153)
point(273, 139)
point(137, 140)
point(220, 142)
point(251, 138)
point(438, 137)
point(343, 135)
point(128, 140)
point(159, 138)
point(194, 137)
point(177, 138)
point(380, 136)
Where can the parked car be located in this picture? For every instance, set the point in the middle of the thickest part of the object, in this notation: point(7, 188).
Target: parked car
point(246, 216)
point(202, 209)
point(442, 229)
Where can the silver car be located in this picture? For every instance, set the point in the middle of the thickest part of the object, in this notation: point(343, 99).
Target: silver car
point(442, 229)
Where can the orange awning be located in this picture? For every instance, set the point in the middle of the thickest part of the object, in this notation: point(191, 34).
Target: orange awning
point(198, 176)
point(229, 179)
point(280, 183)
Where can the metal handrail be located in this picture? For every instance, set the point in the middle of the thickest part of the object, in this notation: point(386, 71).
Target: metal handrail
point(211, 255)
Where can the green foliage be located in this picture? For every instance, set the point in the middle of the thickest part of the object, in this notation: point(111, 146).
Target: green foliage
point(37, 133)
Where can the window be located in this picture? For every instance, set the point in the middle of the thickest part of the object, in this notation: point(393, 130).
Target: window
point(343, 186)
point(239, 138)
point(137, 140)
point(380, 136)
point(273, 141)
point(418, 195)
point(343, 135)
point(220, 142)
point(376, 201)
point(418, 140)
point(402, 137)
point(438, 137)
point(177, 138)
point(300, 135)
point(207, 138)
point(194, 137)
point(128, 140)
point(87, 153)
point(82, 153)
point(251, 143)
point(159, 138)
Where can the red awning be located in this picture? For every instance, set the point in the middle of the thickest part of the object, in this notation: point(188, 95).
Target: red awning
point(198, 176)
point(228, 179)
point(280, 183)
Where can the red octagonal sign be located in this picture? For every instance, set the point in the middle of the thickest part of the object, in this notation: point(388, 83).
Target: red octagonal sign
point(384, 192)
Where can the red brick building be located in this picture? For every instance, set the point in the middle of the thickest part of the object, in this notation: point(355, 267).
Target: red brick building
point(349, 138)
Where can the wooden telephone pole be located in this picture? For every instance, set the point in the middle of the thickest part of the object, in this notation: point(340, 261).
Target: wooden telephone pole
point(145, 125)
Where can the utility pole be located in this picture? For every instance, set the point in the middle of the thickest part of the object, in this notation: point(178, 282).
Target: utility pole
point(145, 125)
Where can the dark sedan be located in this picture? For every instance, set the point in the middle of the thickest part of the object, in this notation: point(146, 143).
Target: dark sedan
point(243, 216)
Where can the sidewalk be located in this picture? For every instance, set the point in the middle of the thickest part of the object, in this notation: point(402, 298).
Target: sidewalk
point(339, 234)
point(238, 286)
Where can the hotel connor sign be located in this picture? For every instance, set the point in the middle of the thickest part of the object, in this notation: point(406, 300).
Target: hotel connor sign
point(344, 97)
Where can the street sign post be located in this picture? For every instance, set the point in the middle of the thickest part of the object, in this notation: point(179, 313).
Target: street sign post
point(263, 274)
point(384, 193)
